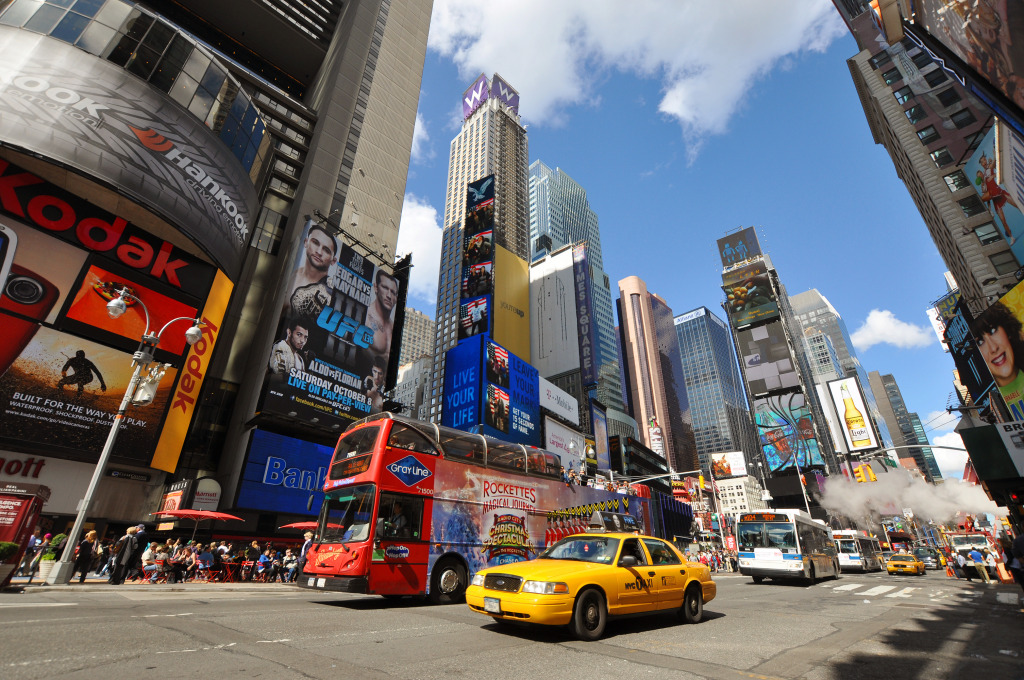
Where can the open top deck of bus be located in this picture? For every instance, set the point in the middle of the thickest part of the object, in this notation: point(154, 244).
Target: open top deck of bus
point(459, 445)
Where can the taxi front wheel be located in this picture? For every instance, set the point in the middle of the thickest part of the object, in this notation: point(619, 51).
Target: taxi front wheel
point(589, 616)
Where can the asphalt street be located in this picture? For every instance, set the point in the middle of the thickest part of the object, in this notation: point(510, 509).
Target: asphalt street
point(860, 626)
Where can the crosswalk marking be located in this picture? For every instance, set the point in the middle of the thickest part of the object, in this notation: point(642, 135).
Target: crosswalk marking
point(903, 593)
point(849, 586)
point(877, 590)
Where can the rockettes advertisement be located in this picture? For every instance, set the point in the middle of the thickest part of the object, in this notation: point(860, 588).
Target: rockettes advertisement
point(509, 518)
point(63, 392)
point(333, 348)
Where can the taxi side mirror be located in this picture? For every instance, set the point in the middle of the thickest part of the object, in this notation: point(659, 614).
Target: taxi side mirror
point(627, 561)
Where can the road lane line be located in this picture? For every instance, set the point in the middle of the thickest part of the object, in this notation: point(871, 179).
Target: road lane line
point(903, 593)
point(38, 604)
point(878, 590)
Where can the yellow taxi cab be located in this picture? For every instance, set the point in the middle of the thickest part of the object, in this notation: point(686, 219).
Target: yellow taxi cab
point(901, 563)
point(584, 579)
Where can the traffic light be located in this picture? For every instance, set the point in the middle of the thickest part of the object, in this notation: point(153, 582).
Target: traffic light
point(871, 474)
point(700, 480)
point(858, 472)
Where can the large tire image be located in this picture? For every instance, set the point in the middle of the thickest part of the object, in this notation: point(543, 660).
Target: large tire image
point(589, 616)
point(447, 582)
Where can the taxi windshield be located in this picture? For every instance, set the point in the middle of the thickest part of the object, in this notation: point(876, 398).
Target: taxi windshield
point(597, 549)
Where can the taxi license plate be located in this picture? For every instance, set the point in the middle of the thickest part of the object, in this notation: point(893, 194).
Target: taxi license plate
point(492, 605)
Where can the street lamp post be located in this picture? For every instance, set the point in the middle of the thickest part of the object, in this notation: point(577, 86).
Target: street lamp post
point(61, 573)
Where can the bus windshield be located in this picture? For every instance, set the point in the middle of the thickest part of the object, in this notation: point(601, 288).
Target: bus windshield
point(583, 549)
point(352, 455)
point(848, 546)
point(347, 514)
point(779, 535)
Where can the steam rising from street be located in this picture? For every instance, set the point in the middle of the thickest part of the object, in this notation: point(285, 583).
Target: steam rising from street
point(895, 491)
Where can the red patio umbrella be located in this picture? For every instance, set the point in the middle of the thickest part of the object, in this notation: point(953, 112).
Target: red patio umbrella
point(196, 515)
point(299, 525)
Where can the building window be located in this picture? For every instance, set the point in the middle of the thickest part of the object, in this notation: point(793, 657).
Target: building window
point(973, 141)
point(921, 59)
point(971, 206)
point(903, 94)
point(927, 135)
point(949, 96)
point(1004, 262)
point(891, 76)
point(880, 59)
point(941, 157)
point(916, 113)
point(963, 118)
point(987, 233)
point(956, 180)
point(935, 77)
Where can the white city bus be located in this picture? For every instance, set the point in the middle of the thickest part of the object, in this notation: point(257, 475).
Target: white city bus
point(785, 544)
point(858, 551)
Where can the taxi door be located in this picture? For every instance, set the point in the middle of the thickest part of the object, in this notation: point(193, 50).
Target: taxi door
point(635, 585)
point(669, 573)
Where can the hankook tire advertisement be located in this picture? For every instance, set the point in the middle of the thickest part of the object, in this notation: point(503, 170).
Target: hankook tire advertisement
point(67, 105)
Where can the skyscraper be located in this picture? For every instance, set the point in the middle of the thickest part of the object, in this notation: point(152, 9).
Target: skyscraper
point(904, 426)
point(417, 336)
point(718, 402)
point(234, 121)
point(819, 319)
point(560, 215)
point(654, 380)
point(492, 141)
point(930, 124)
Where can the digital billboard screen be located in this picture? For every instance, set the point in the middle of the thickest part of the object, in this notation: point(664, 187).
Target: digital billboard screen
point(854, 417)
point(986, 171)
point(488, 389)
point(999, 338)
point(334, 345)
point(63, 392)
point(281, 473)
point(766, 360)
point(511, 302)
point(41, 274)
point(983, 34)
point(599, 418)
point(749, 296)
point(736, 248)
point(786, 433)
point(99, 286)
point(728, 464)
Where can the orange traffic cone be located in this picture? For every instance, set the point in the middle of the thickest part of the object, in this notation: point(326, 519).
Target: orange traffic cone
point(949, 571)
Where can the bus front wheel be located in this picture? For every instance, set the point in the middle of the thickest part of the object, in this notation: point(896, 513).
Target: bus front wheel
point(448, 582)
point(757, 579)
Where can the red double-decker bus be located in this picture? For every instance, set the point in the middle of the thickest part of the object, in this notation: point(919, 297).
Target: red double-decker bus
point(413, 508)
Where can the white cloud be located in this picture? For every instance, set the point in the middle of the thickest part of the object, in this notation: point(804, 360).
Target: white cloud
point(882, 327)
point(707, 55)
point(951, 463)
point(421, 150)
point(420, 234)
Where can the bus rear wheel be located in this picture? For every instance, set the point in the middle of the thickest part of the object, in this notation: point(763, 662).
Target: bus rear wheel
point(447, 582)
point(811, 578)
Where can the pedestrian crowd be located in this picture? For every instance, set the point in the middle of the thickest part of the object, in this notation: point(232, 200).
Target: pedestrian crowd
point(574, 478)
point(716, 560)
point(135, 558)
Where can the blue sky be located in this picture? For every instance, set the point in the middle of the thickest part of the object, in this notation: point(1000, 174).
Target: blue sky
point(680, 136)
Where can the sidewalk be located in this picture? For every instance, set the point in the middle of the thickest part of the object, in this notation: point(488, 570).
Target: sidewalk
point(95, 584)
